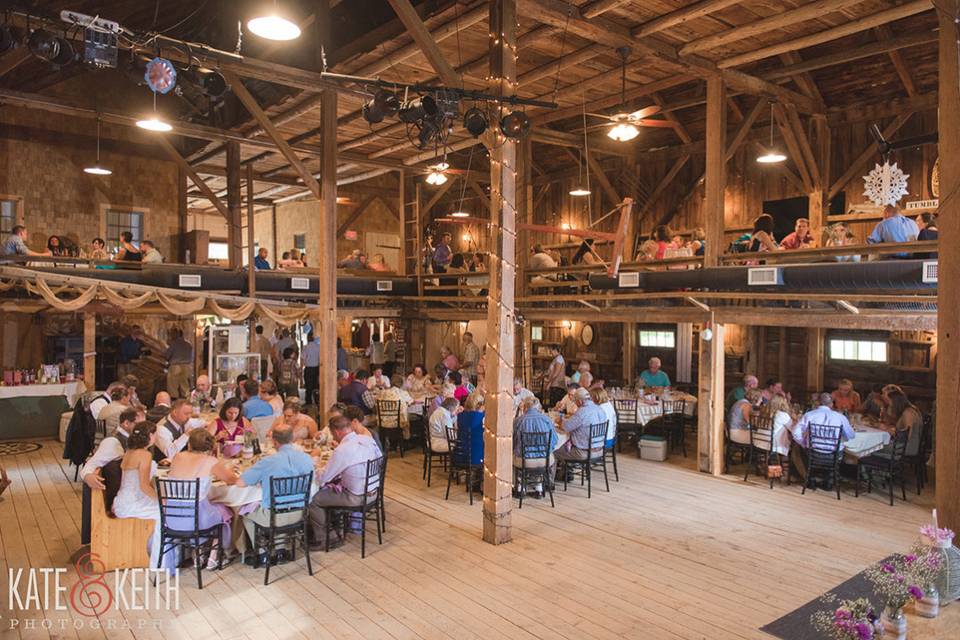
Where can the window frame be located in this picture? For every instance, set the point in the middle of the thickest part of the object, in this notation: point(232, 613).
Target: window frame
point(106, 209)
point(658, 333)
point(851, 345)
point(18, 211)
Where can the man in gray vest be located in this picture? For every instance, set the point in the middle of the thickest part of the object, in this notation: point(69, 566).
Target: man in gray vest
point(172, 431)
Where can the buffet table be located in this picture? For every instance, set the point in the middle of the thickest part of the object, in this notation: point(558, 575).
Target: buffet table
point(33, 410)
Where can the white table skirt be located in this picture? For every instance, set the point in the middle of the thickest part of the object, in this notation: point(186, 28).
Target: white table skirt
point(868, 440)
point(69, 390)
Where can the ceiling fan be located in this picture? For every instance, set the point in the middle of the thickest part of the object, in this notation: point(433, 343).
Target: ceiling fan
point(625, 124)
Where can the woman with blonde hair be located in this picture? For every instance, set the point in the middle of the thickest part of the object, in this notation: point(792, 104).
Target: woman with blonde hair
point(602, 400)
point(378, 263)
point(780, 412)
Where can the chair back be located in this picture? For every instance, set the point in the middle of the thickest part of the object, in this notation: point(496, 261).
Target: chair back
point(926, 438)
point(179, 504)
point(288, 494)
point(598, 439)
point(453, 442)
point(388, 414)
point(626, 410)
point(376, 470)
point(823, 444)
point(898, 447)
point(535, 445)
point(673, 411)
point(761, 432)
point(99, 432)
point(647, 412)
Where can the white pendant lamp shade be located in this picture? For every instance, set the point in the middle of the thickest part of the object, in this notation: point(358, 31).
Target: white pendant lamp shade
point(274, 25)
point(623, 132)
point(98, 169)
point(154, 123)
point(772, 155)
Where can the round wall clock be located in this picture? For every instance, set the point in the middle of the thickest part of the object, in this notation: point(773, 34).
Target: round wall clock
point(586, 335)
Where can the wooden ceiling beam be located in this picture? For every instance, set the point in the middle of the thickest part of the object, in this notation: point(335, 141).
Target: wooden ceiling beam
point(171, 151)
point(605, 184)
point(13, 59)
point(869, 153)
point(745, 126)
point(411, 20)
point(903, 72)
point(793, 148)
point(854, 26)
point(661, 187)
point(681, 16)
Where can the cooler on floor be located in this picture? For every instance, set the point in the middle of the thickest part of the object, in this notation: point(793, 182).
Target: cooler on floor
point(653, 448)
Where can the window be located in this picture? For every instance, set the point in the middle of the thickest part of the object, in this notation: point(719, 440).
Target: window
point(8, 216)
point(536, 333)
point(118, 221)
point(859, 350)
point(218, 251)
point(658, 339)
point(300, 241)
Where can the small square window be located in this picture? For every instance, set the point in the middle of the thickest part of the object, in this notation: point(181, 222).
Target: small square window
point(858, 350)
point(536, 333)
point(300, 241)
point(665, 339)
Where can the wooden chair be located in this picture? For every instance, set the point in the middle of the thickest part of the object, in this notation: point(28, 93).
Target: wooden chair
point(595, 460)
point(922, 457)
point(429, 455)
point(288, 494)
point(372, 506)
point(119, 543)
point(180, 524)
point(672, 422)
point(731, 448)
point(534, 446)
point(388, 423)
point(823, 450)
point(628, 423)
point(886, 465)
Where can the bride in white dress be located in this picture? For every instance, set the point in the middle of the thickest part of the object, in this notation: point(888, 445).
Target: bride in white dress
point(137, 497)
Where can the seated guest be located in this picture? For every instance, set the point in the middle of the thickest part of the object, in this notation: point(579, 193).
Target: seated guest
point(199, 460)
point(738, 417)
point(845, 399)
point(773, 388)
point(128, 251)
point(648, 251)
point(131, 382)
point(260, 263)
point(173, 431)
point(698, 241)
point(873, 405)
point(582, 375)
point(268, 393)
point(654, 376)
point(98, 250)
point(378, 380)
point(418, 383)
point(353, 261)
point(602, 400)
point(470, 429)
point(739, 393)
point(119, 402)
point(357, 394)
point(585, 254)
point(886, 415)
point(395, 394)
point(568, 403)
point(578, 427)
point(460, 391)
point(378, 263)
point(137, 497)
point(532, 420)
point(927, 223)
point(201, 394)
point(16, 243)
point(822, 415)
point(302, 426)
point(55, 247)
point(440, 419)
point(908, 418)
point(895, 227)
point(150, 253)
point(287, 461)
point(102, 400)
point(520, 393)
point(110, 448)
point(253, 405)
point(343, 378)
point(801, 238)
point(344, 478)
point(229, 426)
point(839, 235)
point(356, 417)
point(762, 238)
point(160, 409)
point(663, 236)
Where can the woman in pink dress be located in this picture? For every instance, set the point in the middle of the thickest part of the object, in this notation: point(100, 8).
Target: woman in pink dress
point(229, 427)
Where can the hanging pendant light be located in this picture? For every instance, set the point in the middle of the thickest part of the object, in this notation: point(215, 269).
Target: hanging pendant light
point(155, 122)
point(97, 169)
point(437, 177)
point(580, 191)
point(772, 155)
point(274, 25)
point(623, 130)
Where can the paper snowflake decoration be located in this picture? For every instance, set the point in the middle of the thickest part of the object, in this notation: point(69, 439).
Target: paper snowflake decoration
point(885, 184)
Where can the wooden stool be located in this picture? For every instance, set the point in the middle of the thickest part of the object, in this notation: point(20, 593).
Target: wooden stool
point(120, 543)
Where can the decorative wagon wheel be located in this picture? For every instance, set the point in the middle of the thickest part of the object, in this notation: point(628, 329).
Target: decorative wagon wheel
point(935, 179)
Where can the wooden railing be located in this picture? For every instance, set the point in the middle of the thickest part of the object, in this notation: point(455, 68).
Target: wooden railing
point(828, 254)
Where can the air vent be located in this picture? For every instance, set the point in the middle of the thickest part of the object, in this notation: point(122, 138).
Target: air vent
point(930, 272)
point(384, 285)
point(764, 277)
point(628, 280)
point(300, 284)
point(190, 281)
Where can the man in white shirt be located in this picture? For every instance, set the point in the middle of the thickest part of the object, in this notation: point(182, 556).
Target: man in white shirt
point(441, 418)
point(520, 393)
point(110, 448)
point(822, 415)
point(344, 479)
point(110, 414)
point(97, 405)
point(173, 432)
point(378, 380)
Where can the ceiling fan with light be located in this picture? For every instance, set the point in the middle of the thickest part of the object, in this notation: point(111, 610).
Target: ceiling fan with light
point(625, 125)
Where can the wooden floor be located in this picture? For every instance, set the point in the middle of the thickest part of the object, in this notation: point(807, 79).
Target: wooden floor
point(669, 553)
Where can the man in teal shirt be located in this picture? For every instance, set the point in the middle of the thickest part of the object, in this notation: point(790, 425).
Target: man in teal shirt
point(739, 393)
point(654, 376)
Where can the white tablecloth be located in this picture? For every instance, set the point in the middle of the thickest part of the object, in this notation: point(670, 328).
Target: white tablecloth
point(868, 440)
point(69, 390)
point(650, 410)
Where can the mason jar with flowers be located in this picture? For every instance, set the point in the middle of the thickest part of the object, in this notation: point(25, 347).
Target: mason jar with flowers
point(848, 620)
point(895, 583)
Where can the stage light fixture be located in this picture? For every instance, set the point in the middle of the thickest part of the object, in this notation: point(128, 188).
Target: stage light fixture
point(50, 47)
point(275, 25)
point(418, 109)
point(212, 83)
point(8, 38)
point(475, 122)
point(437, 177)
point(515, 124)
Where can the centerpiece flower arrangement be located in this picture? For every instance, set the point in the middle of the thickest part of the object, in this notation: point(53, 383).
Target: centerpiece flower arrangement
point(849, 620)
point(897, 581)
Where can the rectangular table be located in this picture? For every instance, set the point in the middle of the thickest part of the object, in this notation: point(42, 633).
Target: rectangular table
point(33, 410)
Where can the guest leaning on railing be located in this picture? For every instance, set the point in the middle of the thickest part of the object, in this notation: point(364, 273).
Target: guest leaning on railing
point(895, 227)
point(16, 244)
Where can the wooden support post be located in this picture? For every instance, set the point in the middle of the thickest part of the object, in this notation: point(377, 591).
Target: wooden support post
point(782, 352)
point(234, 206)
point(328, 250)
point(751, 362)
point(948, 293)
point(421, 245)
point(182, 216)
point(251, 251)
point(818, 197)
point(402, 199)
point(814, 359)
point(498, 435)
point(90, 350)
point(525, 190)
point(716, 170)
point(761, 372)
point(710, 398)
point(629, 352)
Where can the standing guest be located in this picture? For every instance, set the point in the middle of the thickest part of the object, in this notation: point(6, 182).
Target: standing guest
point(261, 344)
point(127, 251)
point(198, 461)
point(283, 343)
point(129, 351)
point(532, 420)
point(448, 360)
point(119, 402)
point(137, 498)
point(582, 375)
point(578, 427)
point(375, 352)
point(739, 393)
point(357, 394)
point(471, 357)
point(287, 461)
point(150, 253)
point(653, 375)
point(520, 394)
point(344, 478)
point(160, 408)
point(260, 263)
point(895, 227)
point(378, 380)
point(470, 430)
point(268, 393)
point(845, 398)
point(556, 377)
point(822, 415)
point(16, 243)
point(179, 357)
point(739, 415)
point(290, 374)
point(440, 420)
point(801, 238)
point(253, 405)
point(55, 247)
point(98, 250)
point(389, 356)
point(762, 238)
point(173, 431)
point(341, 356)
point(229, 425)
point(602, 400)
point(310, 359)
point(442, 254)
point(304, 427)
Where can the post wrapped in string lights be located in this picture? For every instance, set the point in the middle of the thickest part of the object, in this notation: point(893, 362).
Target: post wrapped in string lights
point(501, 314)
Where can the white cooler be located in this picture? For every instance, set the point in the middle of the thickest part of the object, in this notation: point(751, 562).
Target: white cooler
point(653, 448)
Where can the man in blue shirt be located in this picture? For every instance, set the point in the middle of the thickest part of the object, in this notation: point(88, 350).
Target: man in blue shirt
point(260, 263)
point(253, 405)
point(131, 348)
point(532, 420)
point(287, 461)
point(895, 227)
point(578, 427)
point(654, 376)
point(442, 254)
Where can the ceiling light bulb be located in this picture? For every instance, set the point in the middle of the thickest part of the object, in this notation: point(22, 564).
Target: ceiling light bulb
point(441, 166)
point(771, 157)
point(97, 170)
point(436, 178)
point(459, 214)
point(154, 123)
point(274, 27)
point(623, 132)
point(579, 192)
